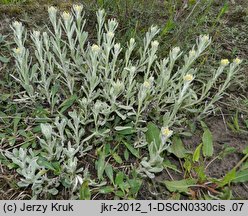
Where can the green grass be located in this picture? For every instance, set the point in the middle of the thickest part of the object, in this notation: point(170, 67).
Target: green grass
point(12, 1)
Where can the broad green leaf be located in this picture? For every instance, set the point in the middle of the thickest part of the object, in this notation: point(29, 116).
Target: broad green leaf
point(120, 193)
point(119, 178)
point(177, 147)
point(241, 176)
point(57, 168)
point(188, 164)
point(207, 141)
point(197, 153)
point(153, 134)
point(48, 165)
point(53, 166)
point(101, 165)
point(117, 158)
point(107, 149)
point(126, 154)
point(109, 172)
point(200, 170)
point(135, 185)
point(180, 186)
point(85, 193)
point(67, 103)
point(228, 178)
point(106, 190)
point(134, 151)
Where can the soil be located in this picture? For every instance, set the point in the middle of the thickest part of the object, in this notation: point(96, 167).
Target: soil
point(222, 138)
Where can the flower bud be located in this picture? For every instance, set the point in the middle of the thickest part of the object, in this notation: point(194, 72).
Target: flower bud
point(224, 62)
point(17, 50)
point(205, 38)
point(36, 34)
point(237, 61)
point(133, 69)
point(155, 44)
point(52, 9)
point(17, 24)
point(110, 34)
point(166, 132)
point(154, 29)
point(78, 8)
point(192, 53)
point(132, 41)
point(146, 84)
point(175, 52)
point(188, 77)
point(95, 48)
point(66, 15)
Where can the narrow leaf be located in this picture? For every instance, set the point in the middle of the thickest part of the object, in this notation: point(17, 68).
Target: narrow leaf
point(241, 176)
point(119, 178)
point(177, 147)
point(180, 186)
point(85, 193)
point(197, 153)
point(207, 141)
point(67, 103)
point(109, 172)
point(153, 134)
point(132, 149)
point(117, 158)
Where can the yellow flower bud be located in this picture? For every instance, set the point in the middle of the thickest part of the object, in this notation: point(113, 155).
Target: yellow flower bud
point(66, 15)
point(224, 62)
point(132, 41)
point(205, 37)
point(52, 9)
point(17, 24)
point(110, 34)
point(78, 8)
point(17, 50)
point(147, 84)
point(175, 52)
point(176, 49)
point(166, 132)
point(237, 61)
point(155, 43)
point(95, 48)
point(36, 33)
point(188, 77)
point(192, 53)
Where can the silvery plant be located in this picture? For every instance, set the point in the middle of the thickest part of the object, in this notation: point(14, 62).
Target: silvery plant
point(116, 86)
